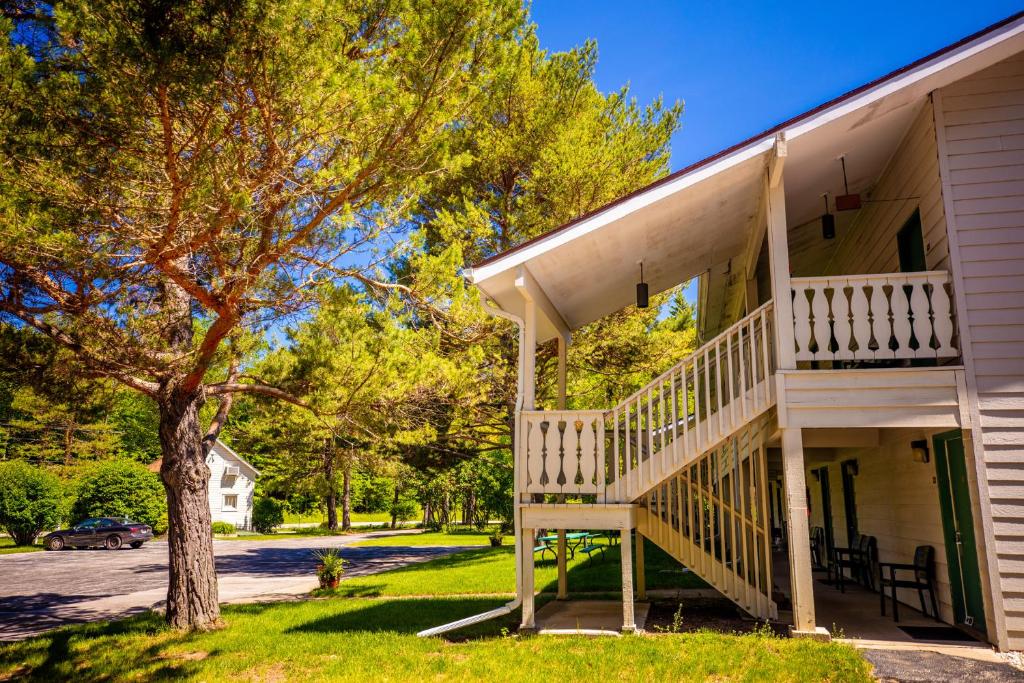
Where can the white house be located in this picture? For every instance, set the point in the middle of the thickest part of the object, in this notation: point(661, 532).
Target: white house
point(860, 383)
point(232, 482)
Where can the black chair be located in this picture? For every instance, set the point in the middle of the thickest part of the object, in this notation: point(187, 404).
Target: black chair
point(817, 547)
point(859, 560)
point(923, 572)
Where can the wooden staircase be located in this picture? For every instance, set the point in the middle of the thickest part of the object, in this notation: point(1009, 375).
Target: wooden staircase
point(712, 516)
point(688, 448)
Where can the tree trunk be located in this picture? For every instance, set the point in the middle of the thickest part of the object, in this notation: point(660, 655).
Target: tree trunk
point(192, 576)
point(332, 488)
point(346, 497)
point(394, 508)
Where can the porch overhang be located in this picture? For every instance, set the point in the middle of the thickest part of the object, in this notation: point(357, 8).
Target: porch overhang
point(698, 221)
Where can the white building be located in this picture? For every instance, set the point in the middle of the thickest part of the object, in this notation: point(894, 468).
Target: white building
point(232, 483)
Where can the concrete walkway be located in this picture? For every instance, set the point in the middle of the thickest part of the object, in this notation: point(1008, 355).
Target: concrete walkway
point(44, 590)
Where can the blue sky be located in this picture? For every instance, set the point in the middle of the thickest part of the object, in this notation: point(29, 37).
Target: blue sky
point(741, 67)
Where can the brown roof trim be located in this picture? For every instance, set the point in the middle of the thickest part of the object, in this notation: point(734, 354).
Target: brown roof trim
point(760, 136)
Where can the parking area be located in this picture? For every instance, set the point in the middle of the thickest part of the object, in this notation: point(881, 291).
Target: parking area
point(45, 590)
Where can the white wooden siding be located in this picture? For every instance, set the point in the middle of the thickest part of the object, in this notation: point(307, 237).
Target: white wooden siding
point(241, 485)
point(912, 180)
point(981, 135)
point(897, 502)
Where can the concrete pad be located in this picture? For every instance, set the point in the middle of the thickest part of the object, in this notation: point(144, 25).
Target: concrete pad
point(587, 617)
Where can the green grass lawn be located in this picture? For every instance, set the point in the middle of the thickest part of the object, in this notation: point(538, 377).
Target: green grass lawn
point(367, 633)
point(7, 547)
point(370, 640)
point(459, 537)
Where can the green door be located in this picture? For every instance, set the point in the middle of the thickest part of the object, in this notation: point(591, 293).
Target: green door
point(958, 529)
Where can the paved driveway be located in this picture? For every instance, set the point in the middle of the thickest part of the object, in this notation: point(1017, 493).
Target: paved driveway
point(43, 590)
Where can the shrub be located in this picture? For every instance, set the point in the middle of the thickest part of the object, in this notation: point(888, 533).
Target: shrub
point(225, 528)
point(31, 501)
point(118, 488)
point(267, 513)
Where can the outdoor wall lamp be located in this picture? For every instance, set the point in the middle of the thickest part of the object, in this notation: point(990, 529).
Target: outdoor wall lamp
point(642, 299)
point(828, 222)
point(919, 448)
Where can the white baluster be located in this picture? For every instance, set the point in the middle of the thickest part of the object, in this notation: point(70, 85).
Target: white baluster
point(901, 329)
point(535, 454)
point(841, 318)
point(559, 443)
point(822, 332)
point(943, 322)
point(922, 320)
point(880, 325)
point(802, 324)
point(859, 312)
point(588, 456)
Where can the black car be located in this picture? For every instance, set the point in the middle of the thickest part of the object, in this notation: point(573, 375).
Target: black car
point(109, 532)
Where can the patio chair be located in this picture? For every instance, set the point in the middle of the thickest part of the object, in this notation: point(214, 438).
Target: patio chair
point(817, 547)
point(922, 571)
point(859, 560)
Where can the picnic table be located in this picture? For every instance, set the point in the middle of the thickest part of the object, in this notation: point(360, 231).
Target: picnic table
point(573, 540)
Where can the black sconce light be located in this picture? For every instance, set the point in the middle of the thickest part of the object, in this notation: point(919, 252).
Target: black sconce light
point(828, 222)
point(919, 448)
point(642, 299)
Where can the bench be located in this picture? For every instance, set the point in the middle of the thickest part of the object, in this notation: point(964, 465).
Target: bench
point(589, 547)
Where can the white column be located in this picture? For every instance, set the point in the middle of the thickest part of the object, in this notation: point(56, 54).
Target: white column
point(626, 548)
point(778, 252)
point(563, 350)
point(527, 541)
point(800, 578)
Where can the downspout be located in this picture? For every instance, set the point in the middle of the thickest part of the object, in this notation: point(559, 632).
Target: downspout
point(508, 607)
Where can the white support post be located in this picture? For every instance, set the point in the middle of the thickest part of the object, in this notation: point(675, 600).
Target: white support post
point(778, 251)
point(530, 357)
point(800, 579)
point(626, 552)
point(563, 351)
point(527, 541)
point(641, 578)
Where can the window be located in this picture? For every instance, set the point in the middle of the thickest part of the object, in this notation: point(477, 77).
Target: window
point(231, 502)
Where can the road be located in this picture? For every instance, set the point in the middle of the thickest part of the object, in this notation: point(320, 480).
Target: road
point(44, 590)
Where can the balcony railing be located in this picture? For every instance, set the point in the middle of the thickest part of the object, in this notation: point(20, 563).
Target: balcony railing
point(873, 317)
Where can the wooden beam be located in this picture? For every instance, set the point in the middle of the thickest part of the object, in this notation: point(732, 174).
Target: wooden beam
point(563, 351)
point(531, 291)
point(641, 578)
point(778, 252)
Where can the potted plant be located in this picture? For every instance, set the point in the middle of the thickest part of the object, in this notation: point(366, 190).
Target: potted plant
point(330, 568)
point(495, 539)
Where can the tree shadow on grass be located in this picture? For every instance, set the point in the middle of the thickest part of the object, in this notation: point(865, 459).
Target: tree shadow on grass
point(58, 655)
point(411, 615)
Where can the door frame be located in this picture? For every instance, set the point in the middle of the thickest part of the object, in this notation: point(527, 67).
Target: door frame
point(956, 531)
